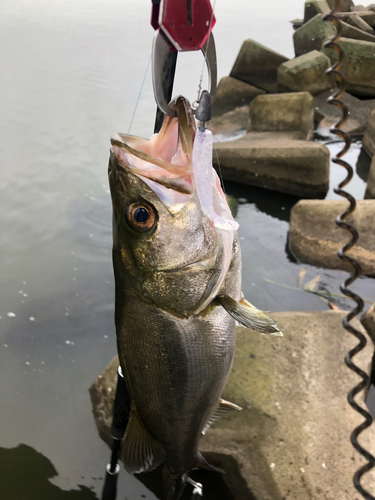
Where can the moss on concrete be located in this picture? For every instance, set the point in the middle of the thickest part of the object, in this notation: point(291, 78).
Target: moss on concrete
point(358, 66)
point(305, 73)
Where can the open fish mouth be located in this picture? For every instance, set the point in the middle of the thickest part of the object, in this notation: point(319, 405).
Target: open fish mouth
point(165, 159)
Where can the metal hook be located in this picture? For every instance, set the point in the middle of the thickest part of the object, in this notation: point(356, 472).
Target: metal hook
point(160, 51)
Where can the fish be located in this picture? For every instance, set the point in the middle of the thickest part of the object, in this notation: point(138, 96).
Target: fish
point(177, 297)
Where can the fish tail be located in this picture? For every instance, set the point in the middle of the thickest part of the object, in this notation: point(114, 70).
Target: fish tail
point(174, 484)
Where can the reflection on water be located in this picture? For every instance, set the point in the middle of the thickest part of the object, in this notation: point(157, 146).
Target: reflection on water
point(25, 474)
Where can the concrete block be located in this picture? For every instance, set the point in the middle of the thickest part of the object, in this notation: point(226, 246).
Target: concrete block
point(360, 23)
point(305, 73)
point(314, 7)
point(315, 238)
point(257, 65)
point(278, 442)
point(366, 15)
point(345, 5)
point(291, 112)
point(358, 8)
point(230, 123)
point(278, 161)
point(312, 35)
point(370, 189)
point(369, 135)
point(351, 31)
point(232, 93)
point(359, 111)
point(358, 67)
point(368, 321)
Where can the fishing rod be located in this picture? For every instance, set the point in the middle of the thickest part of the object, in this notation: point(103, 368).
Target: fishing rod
point(121, 412)
point(180, 25)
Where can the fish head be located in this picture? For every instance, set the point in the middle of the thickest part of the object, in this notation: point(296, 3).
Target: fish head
point(165, 247)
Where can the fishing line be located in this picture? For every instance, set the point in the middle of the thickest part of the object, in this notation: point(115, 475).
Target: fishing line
point(199, 93)
point(138, 98)
point(131, 124)
point(134, 188)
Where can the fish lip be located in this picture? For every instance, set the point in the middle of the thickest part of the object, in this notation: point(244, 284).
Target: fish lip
point(208, 263)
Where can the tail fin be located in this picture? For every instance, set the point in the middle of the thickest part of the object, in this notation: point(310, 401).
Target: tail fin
point(174, 484)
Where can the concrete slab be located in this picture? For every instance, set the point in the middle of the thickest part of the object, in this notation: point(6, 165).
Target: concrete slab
point(257, 65)
point(351, 30)
point(276, 161)
point(345, 5)
point(369, 134)
point(315, 238)
point(366, 15)
point(230, 123)
point(314, 7)
point(292, 438)
point(368, 321)
point(290, 112)
point(358, 66)
point(231, 94)
point(305, 73)
point(312, 35)
point(361, 24)
point(359, 111)
point(370, 189)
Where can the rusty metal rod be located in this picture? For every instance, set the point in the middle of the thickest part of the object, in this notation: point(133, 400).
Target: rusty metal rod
point(335, 100)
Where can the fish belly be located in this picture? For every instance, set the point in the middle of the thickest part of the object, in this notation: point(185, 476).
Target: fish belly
point(176, 370)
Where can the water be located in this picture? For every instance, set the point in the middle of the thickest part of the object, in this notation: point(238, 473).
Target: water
point(71, 74)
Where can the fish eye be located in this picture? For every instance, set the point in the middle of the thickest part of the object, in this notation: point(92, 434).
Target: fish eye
point(141, 216)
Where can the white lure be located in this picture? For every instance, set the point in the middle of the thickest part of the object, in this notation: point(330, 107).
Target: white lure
point(207, 184)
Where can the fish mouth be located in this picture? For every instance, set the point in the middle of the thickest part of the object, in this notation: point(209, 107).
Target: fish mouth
point(165, 159)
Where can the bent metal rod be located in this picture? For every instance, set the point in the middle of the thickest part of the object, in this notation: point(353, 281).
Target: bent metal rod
point(335, 100)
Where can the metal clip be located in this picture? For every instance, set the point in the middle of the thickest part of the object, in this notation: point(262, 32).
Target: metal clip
point(160, 51)
point(197, 488)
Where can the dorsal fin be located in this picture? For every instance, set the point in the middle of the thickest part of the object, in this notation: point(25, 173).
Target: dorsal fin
point(141, 452)
point(222, 409)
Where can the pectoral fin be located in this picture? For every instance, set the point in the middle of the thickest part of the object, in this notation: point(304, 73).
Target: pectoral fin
point(222, 409)
point(141, 452)
point(248, 315)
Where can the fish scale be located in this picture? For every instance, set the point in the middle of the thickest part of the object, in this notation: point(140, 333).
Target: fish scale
point(181, 389)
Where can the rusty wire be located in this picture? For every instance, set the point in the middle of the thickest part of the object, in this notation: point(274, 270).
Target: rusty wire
point(335, 100)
